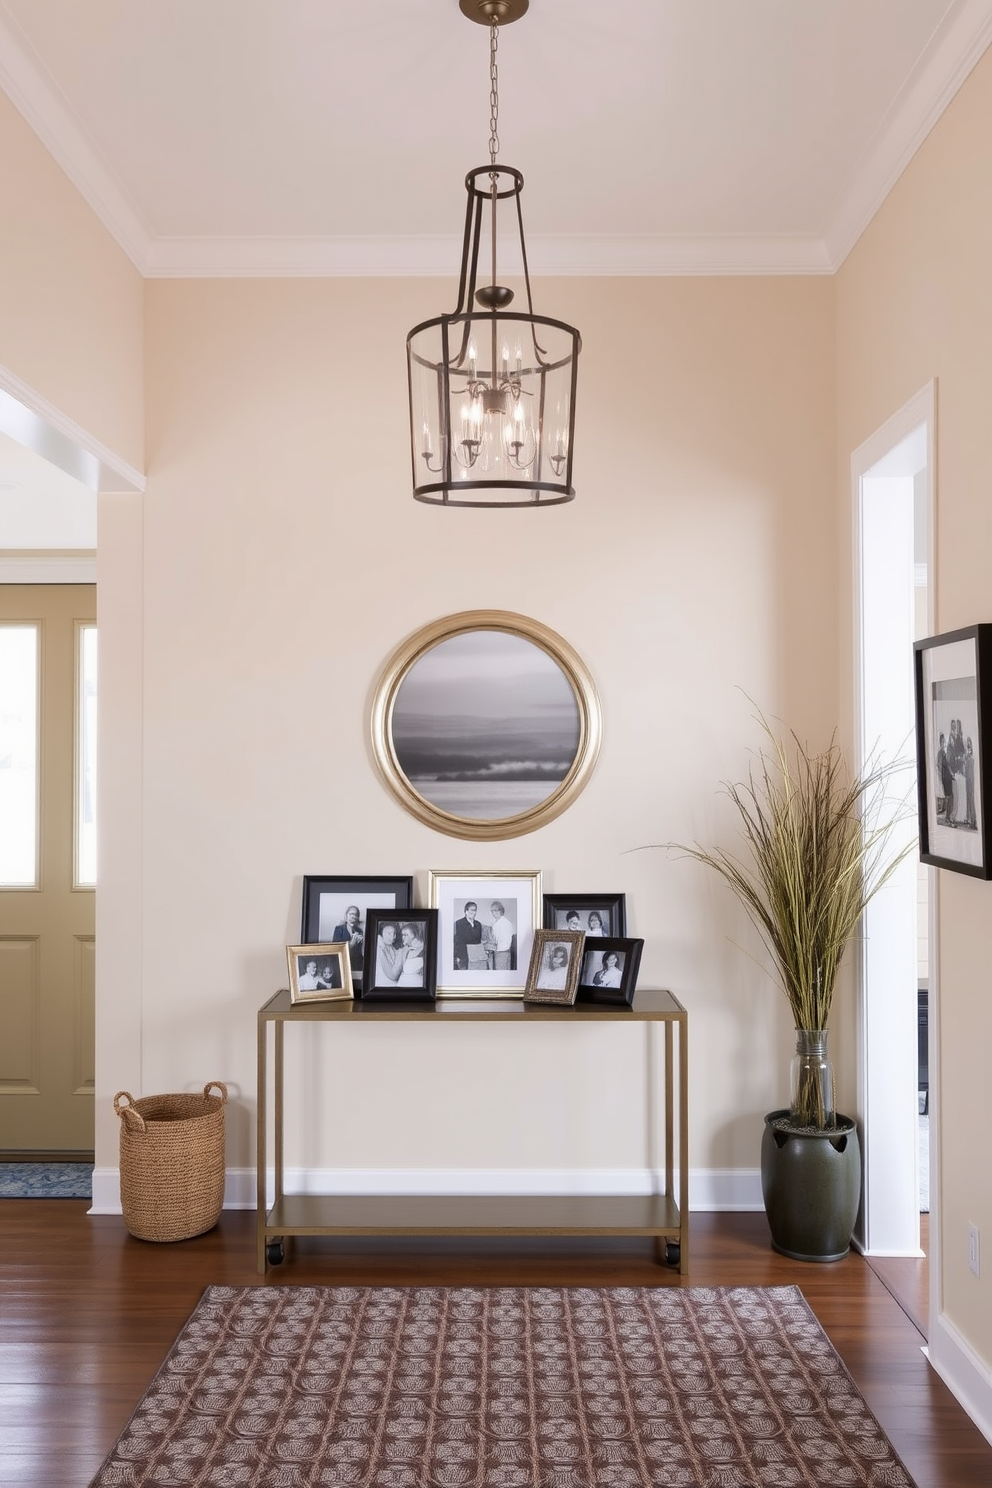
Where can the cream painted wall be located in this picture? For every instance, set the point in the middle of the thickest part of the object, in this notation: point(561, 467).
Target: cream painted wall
point(914, 301)
point(282, 559)
point(71, 303)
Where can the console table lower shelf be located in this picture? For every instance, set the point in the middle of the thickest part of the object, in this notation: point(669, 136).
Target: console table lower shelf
point(656, 1216)
point(651, 1215)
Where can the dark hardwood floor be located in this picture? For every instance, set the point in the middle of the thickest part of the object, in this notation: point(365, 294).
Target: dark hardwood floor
point(87, 1315)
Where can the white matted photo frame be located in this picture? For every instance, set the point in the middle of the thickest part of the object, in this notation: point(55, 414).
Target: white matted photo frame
point(486, 925)
point(555, 961)
point(953, 676)
point(335, 907)
point(319, 973)
point(609, 970)
point(401, 956)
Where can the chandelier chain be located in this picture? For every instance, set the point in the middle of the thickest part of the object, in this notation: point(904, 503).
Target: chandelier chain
point(493, 94)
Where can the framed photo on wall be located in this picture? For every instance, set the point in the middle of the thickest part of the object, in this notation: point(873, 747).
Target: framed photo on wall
point(486, 925)
point(593, 914)
point(336, 908)
point(609, 970)
point(319, 973)
point(954, 769)
point(400, 956)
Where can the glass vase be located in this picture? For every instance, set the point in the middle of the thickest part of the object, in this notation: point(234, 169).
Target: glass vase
point(811, 1082)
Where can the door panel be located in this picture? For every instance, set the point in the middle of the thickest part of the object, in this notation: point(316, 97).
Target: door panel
point(47, 945)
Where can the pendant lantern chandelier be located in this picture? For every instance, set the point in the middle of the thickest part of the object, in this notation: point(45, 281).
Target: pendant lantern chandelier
point(492, 389)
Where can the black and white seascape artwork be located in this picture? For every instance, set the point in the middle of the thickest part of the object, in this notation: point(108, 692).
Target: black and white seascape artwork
point(486, 725)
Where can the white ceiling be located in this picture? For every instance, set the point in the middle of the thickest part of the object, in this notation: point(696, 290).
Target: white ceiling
point(319, 136)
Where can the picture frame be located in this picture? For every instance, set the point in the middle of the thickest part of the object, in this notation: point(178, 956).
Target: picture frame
point(555, 961)
point(328, 899)
point(572, 912)
point(608, 973)
point(953, 681)
point(477, 956)
point(400, 966)
point(485, 724)
point(319, 972)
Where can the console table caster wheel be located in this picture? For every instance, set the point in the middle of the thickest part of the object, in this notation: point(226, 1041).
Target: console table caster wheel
point(673, 1253)
point(274, 1253)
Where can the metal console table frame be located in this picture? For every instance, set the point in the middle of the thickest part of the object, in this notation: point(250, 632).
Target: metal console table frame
point(660, 1215)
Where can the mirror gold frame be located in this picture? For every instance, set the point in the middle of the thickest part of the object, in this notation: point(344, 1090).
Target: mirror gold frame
point(589, 719)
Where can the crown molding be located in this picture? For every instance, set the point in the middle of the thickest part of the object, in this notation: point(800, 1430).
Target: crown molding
point(232, 258)
point(33, 95)
point(952, 54)
point(939, 74)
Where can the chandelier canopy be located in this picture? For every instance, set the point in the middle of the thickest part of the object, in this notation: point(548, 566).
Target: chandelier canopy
point(492, 389)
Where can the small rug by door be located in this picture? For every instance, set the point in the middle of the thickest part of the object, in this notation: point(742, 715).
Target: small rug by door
point(46, 1180)
point(353, 1387)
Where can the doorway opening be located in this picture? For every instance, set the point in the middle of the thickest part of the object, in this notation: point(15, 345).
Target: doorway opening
point(47, 814)
point(893, 487)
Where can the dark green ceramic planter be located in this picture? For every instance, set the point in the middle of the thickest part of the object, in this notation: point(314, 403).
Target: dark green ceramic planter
point(811, 1183)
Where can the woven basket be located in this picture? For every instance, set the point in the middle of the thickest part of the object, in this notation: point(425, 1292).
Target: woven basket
point(172, 1162)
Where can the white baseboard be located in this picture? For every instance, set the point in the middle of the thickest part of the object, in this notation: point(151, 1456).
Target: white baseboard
point(709, 1189)
point(967, 1376)
point(724, 1190)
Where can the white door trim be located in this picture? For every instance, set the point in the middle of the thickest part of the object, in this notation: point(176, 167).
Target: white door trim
point(920, 410)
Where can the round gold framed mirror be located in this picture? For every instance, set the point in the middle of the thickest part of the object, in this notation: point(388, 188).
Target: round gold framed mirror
point(485, 724)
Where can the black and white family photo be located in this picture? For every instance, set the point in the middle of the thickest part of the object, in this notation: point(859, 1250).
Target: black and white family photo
point(487, 941)
point(486, 926)
point(956, 757)
point(593, 922)
point(318, 973)
point(317, 976)
point(596, 915)
point(336, 909)
point(609, 970)
point(401, 956)
point(400, 953)
point(603, 968)
point(553, 975)
point(953, 677)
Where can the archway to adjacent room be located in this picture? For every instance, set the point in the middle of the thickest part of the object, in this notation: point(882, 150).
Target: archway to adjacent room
point(893, 487)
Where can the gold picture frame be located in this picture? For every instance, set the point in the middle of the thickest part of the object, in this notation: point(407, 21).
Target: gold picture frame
point(320, 973)
point(555, 963)
point(478, 960)
point(485, 725)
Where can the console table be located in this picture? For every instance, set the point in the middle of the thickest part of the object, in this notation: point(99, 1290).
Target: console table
point(660, 1215)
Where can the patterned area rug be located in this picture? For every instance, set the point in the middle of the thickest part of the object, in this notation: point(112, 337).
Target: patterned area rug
point(46, 1180)
point(349, 1387)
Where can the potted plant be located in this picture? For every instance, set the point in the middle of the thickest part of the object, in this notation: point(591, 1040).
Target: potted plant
point(817, 850)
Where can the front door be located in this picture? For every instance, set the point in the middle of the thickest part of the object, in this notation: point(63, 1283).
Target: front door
point(47, 940)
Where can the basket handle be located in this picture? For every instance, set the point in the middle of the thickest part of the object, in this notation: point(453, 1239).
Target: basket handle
point(127, 1113)
point(217, 1085)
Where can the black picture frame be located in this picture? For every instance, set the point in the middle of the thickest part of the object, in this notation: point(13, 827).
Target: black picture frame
point(594, 953)
point(327, 897)
point(611, 908)
point(953, 683)
point(377, 983)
